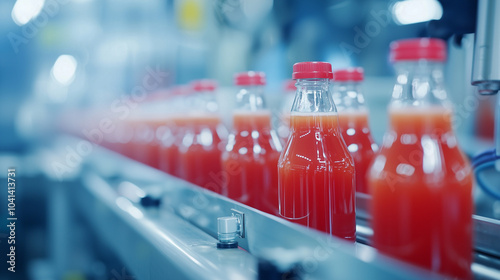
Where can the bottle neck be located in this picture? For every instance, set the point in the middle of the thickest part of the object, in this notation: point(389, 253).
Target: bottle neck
point(250, 98)
point(313, 96)
point(204, 102)
point(251, 112)
point(419, 100)
point(348, 96)
point(419, 84)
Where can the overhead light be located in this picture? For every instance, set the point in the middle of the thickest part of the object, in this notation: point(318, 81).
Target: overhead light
point(26, 10)
point(415, 11)
point(64, 69)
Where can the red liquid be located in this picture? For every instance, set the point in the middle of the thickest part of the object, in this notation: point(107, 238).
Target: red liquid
point(250, 162)
point(421, 186)
point(316, 176)
point(200, 152)
point(152, 148)
point(169, 147)
point(359, 141)
point(143, 142)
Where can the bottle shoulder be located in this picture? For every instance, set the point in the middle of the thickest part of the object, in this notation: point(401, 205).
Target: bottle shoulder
point(317, 149)
point(425, 158)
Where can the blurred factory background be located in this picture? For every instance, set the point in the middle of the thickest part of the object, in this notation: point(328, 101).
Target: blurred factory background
point(73, 54)
point(62, 56)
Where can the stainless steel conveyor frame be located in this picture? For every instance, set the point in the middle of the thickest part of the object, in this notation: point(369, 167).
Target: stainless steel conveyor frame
point(178, 239)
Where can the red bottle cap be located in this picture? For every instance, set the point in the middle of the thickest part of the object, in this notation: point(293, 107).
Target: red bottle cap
point(250, 78)
point(347, 75)
point(418, 48)
point(312, 70)
point(289, 85)
point(204, 85)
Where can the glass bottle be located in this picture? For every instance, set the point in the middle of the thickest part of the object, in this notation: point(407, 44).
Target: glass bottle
point(253, 148)
point(316, 170)
point(172, 131)
point(421, 182)
point(200, 149)
point(353, 120)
